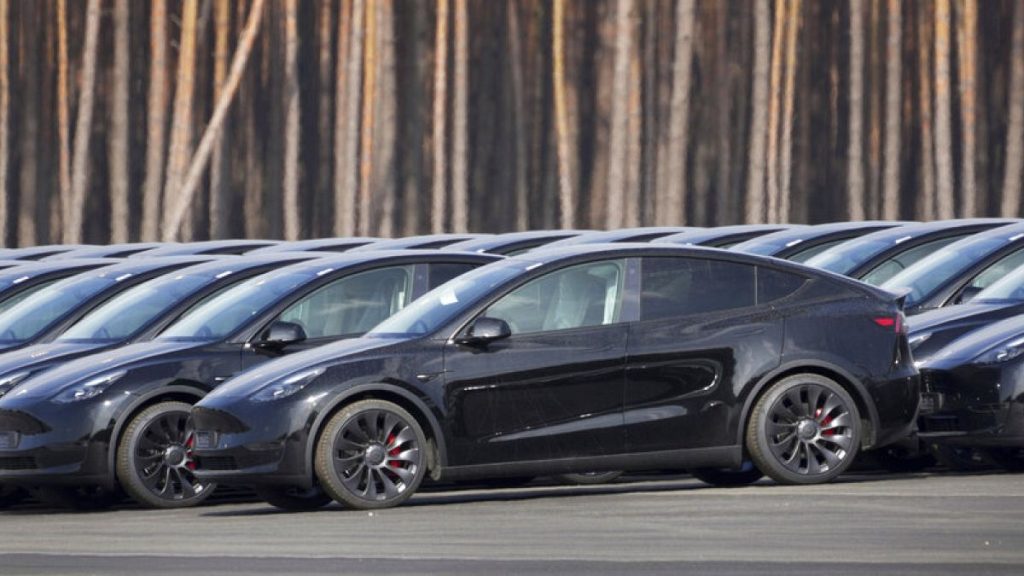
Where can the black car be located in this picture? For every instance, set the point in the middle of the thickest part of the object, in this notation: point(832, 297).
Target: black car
point(424, 242)
point(138, 314)
point(207, 247)
point(642, 234)
point(587, 358)
point(512, 243)
point(974, 394)
point(879, 256)
point(958, 272)
point(317, 244)
point(50, 311)
point(723, 236)
point(39, 252)
point(119, 417)
point(803, 243)
point(20, 282)
point(109, 251)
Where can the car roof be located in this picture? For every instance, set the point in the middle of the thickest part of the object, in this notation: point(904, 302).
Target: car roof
point(314, 244)
point(34, 269)
point(38, 252)
point(222, 247)
point(424, 242)
point(701, 236)
point(353, 259)
point(640, 234)
point(776, 242)
point(219, 266)
point(108, 251)
point(511, 240)
point(916, 229)
point(145, 265)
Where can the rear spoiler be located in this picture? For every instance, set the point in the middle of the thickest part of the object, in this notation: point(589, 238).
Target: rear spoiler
point(901, 296)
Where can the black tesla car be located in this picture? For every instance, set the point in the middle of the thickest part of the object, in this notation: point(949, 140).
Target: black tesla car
point(973, 392)
point(206, 247)
point(586, 358)
point(958, 272)
point(877, 257)
point(138, 314)
point(108, 251)
point(50, 311)
point(723, 236)
point(512, 243)
point(802, 243)
point(317, 245)
point(118, 418)
point(20, 282)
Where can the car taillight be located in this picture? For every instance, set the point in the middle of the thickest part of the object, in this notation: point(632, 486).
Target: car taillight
point(895, 322)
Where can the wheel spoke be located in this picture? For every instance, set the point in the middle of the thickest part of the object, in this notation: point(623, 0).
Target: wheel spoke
point(390, 488)
point(841, 421)
point(411, 455)
point(404, 474)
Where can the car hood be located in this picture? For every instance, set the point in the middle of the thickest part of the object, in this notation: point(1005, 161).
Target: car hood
point(968, 347)
point(93, 365)
point(42, 356)
point(933, 330)
point(323, 356)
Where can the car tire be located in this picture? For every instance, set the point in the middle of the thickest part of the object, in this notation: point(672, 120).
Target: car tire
point(293, 498)
point(729, 477)
point(588, 478)
point(805, 429)
point(154, 458)
point(372, 454)
point(1009, 459)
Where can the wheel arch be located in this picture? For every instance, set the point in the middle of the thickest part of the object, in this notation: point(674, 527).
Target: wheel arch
point(853, 386)
point(437, 458)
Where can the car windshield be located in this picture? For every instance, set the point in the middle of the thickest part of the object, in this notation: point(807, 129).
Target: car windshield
point(845, 257)
point(928, 274)
point(1008, 288)
point(228, 312)
point(440, 305)
point(13, 296)
point(124, 315)
point(35, 314)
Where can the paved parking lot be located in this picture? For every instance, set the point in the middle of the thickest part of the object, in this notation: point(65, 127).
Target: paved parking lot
point(931, 523)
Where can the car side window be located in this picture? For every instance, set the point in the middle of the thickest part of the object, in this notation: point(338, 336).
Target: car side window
point(575, 297)
point(445, 271)
point(353, 304)
point(673, 287)
point(900, 262)
point(996, 271)
point(773, 285)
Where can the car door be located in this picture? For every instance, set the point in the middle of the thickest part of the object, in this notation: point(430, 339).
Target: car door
point(553, 388)
point(700, 338)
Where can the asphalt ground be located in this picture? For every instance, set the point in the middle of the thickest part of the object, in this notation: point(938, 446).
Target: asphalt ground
point(933, 523)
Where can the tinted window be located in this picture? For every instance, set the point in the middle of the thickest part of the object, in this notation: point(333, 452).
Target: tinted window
point(574, 297)
point(674, 287)
point(896, 264)
point(812, 251)
point(845, 257)
point(931, 272)
point(441, 273)
point(353, 304)
point(36, 313)
point(996, 271)
point(20, 296)
point(775, 285)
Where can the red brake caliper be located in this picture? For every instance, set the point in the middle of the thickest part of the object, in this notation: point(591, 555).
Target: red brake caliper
point(393, 452)
point(824, 423)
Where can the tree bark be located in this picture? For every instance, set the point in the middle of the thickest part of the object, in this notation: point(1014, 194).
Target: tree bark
point(566, 192)
point(181, 123)
point(775, 103)
point(27, 133)
point(366, 156)
point(926, 198)
point(223, 105)
point(671, 209)
point(788, 103)
point(156, 121)
point(292, 134)
point(219, 177)
point(1013, 178)
point(5, 121)
point(440, 188)
point(855, 143)
point(943, 112)
point(322, 207)
point(522, 198)
point(385, 167)
point(617, 157)
point(460, 121)
point(346, 175)
point(893, 124)
point(967, 40)
point(759, 116)
point(83, 127)
point(63, 116)
point(119, 125)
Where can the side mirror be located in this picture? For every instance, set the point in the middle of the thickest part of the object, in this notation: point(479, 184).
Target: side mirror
point(484, 330)
point(280, 334)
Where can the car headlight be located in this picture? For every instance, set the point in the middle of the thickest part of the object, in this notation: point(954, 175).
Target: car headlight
point(918, 339)
point(7, 383)
point(1001, 353)
point(88, 388)
point(287, 386)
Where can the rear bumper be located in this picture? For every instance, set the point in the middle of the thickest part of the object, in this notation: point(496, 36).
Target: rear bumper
point(974, 405)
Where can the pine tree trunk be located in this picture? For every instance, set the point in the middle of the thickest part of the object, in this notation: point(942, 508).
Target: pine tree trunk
point(855, 187)
point(5, 110)
point(893, 124)
point(290, 185)
point(566, 192)
point(460, 121)
point(366, 159)
point(440, 187)
point(386, 169)
point(219, 176)
point(775, 103)
point(759, 115)
point(27, 133)
point(181, 120)
point(789, 101)
point(671, 209)
point(322, 206)
point(63, 117)
point(1013, 178)
point(514, 49)
point(618, 138)
point(943, 112)
point(634, 152)
point(190, 182)
point(346, 175)
point(83, 126)
point(119, 125)
point(967, 40)
point(926, 198)
point(156, 121)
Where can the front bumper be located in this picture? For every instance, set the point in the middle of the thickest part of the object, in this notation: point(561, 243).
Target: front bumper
point(246, 444)
point(974, 405)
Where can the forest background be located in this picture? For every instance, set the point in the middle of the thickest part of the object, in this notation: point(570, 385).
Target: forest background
point(130, 120)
